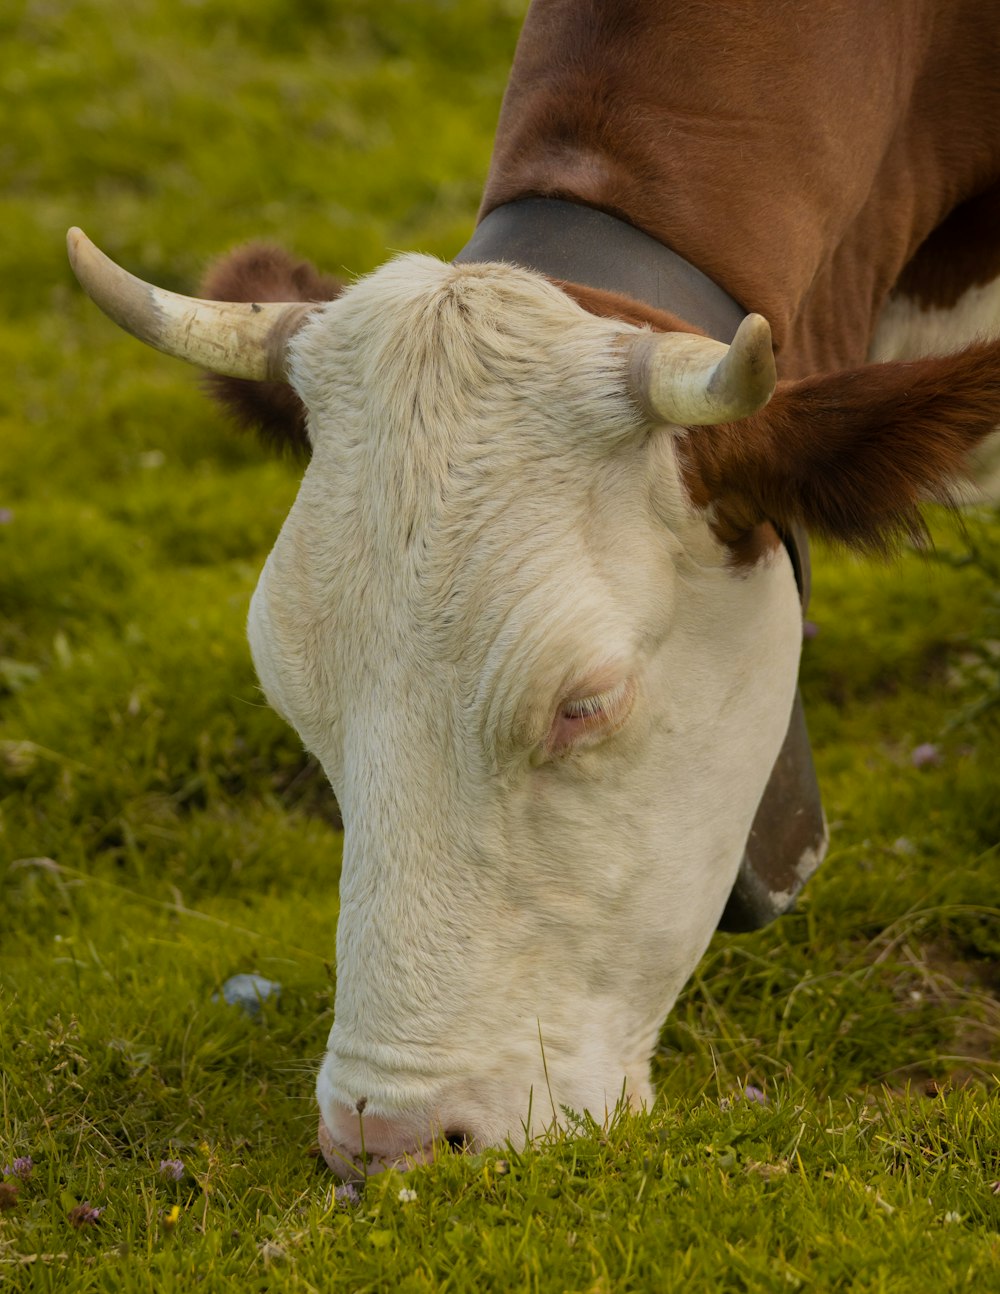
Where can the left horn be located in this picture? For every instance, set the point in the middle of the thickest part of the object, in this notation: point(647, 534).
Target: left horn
point(695, 381)
point(236, 339)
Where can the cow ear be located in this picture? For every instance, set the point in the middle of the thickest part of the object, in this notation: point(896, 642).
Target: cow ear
point(850, 455)
point(264, 272)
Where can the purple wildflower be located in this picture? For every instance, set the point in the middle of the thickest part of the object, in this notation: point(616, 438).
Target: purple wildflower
point(809, 628)
point(925, 755)
point(84, 1215)
point(22, 1167)
point(6, 516)
point(755, 1094)
point(346, 1193)
point(172, 1169)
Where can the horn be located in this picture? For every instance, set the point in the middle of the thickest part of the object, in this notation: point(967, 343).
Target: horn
point(694, 381)
point(234, 338)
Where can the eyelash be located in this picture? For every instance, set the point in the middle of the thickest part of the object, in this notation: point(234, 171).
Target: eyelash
point(598, 714)
point(589, 707)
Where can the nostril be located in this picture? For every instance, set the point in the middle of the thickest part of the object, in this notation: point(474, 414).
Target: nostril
point(458, 1140)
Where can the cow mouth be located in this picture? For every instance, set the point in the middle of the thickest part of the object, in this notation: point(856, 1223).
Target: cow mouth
point(351, 1167)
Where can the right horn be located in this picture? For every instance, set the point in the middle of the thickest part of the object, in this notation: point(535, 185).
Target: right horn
point(694, 381)
point(233, 338)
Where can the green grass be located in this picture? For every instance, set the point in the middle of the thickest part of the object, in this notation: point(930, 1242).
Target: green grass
point(161, 830)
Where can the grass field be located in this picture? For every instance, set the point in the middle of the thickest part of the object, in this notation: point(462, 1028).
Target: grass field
point(830, 1109)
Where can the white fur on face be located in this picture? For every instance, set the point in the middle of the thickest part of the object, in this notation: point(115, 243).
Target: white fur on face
point(486, 532)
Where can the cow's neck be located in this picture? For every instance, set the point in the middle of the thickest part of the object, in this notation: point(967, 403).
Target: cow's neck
point(796, 162)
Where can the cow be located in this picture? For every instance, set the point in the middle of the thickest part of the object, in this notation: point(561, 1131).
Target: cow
point(537, 607)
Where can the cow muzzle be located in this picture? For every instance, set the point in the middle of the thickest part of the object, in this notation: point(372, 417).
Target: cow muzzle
point(356, 1144)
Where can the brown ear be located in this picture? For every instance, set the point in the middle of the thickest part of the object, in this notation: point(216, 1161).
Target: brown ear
point(849, 455)
point(263, 272)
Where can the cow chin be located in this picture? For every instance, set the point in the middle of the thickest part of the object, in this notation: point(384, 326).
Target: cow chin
point(529, 1058)
point(364, 1140)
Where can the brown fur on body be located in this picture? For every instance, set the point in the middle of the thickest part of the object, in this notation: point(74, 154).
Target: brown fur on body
point(263, 272)
point(797, 153)
point(963, 252)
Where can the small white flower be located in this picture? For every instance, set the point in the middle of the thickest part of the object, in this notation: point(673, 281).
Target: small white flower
point(953, 1217)
point(406, 1196)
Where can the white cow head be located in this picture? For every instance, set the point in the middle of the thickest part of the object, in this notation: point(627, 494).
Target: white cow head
point(546, 696)
point(547, 705)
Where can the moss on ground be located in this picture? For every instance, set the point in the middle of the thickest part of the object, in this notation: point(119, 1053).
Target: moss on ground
point(160, 829)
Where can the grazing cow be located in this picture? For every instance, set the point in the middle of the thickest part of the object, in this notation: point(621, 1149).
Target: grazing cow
point(537, 605)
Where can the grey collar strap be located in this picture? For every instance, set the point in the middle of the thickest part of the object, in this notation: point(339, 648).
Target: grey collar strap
point(578, 244)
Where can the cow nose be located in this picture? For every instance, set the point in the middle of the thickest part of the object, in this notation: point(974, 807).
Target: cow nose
point(357, 1144)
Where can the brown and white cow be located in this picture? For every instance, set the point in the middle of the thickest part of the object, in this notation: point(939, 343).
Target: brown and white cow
point(530, 608)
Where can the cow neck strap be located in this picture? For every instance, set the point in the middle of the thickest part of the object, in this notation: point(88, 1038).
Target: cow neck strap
point(579, 244)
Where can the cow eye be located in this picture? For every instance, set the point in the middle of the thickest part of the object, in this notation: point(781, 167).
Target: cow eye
point(586, 719)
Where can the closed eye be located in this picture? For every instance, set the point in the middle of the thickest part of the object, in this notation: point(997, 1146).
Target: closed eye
point(589, 718)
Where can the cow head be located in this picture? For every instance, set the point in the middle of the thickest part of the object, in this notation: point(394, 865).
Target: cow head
point(515, 613)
